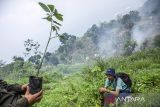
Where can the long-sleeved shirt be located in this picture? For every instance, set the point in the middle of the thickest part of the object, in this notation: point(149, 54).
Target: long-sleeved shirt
point(11, 95)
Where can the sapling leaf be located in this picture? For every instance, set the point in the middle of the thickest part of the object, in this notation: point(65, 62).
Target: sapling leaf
point(51, 7)
point(59, 16)
point(55, 12)
point(57, 23)
point(45, 8)
point(53, 28)
point(48, 18)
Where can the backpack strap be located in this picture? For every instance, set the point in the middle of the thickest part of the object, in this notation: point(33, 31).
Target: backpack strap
point(125, 90)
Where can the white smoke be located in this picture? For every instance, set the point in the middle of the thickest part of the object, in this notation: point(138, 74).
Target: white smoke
point(109, 41)
point(146, 29)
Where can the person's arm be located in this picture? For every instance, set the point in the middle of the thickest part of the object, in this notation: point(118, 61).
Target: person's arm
point(22, 102)
point(118, 88)
point(102, 89)
point(27, 100)
point(12, 87)
point(116, 93)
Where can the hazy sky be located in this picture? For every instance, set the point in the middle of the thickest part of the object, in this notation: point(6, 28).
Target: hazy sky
point(22, 19)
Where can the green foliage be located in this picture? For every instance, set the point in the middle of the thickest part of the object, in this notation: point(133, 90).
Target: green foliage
point(17, 70)
point(44, 7)
point(58, 15)
point(51, 7)
point(31, 47)
point(32, 52)
point(49, 77)
point(129, 47)
point(51, 59)
point(69, 69)
point(51, 14)
point(156, 41)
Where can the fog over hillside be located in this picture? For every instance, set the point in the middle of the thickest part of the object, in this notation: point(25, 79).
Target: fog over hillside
point(138, 27)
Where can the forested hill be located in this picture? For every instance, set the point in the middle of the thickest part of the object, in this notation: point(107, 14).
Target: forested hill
point(128, 33)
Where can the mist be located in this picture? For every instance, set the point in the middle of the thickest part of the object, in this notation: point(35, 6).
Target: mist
point(114, 39)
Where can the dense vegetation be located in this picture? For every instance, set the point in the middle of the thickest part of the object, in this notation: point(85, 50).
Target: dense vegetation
point(81, 89)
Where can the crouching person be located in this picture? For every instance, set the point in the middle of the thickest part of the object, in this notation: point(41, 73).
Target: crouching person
point(17, 95)
point(117, 86)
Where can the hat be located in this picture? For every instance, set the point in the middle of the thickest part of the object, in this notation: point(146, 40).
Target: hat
point(110, 71)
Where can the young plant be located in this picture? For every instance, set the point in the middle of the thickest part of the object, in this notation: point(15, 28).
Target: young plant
point(35, 82)
point(54, 17)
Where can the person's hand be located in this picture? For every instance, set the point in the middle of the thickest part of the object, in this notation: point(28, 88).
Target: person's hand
point(108, 91)
point(102, 90)
point(33, 98)
point(24, 87)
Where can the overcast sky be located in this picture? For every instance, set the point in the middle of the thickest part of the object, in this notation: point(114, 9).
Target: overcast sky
point(22, 19)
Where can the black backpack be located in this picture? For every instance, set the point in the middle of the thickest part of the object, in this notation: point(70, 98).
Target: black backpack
point(125, 78)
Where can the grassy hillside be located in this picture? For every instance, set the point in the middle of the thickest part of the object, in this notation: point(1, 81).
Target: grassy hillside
point(81, 89)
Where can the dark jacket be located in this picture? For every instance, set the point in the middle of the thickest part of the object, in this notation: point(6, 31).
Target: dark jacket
point(11, 95)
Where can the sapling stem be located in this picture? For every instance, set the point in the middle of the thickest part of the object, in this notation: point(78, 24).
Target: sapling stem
point(49, 39)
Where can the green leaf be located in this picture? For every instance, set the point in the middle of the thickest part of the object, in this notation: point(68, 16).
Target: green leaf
point(59, 16)
point(61, 37)
point(57, 23)
point(51, 7)
point(55, 12)
point(49, 18)
point(54, 28)
point(96, 69)
point(45, 8)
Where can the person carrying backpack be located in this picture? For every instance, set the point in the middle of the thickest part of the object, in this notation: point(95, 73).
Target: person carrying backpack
point(116, 86)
